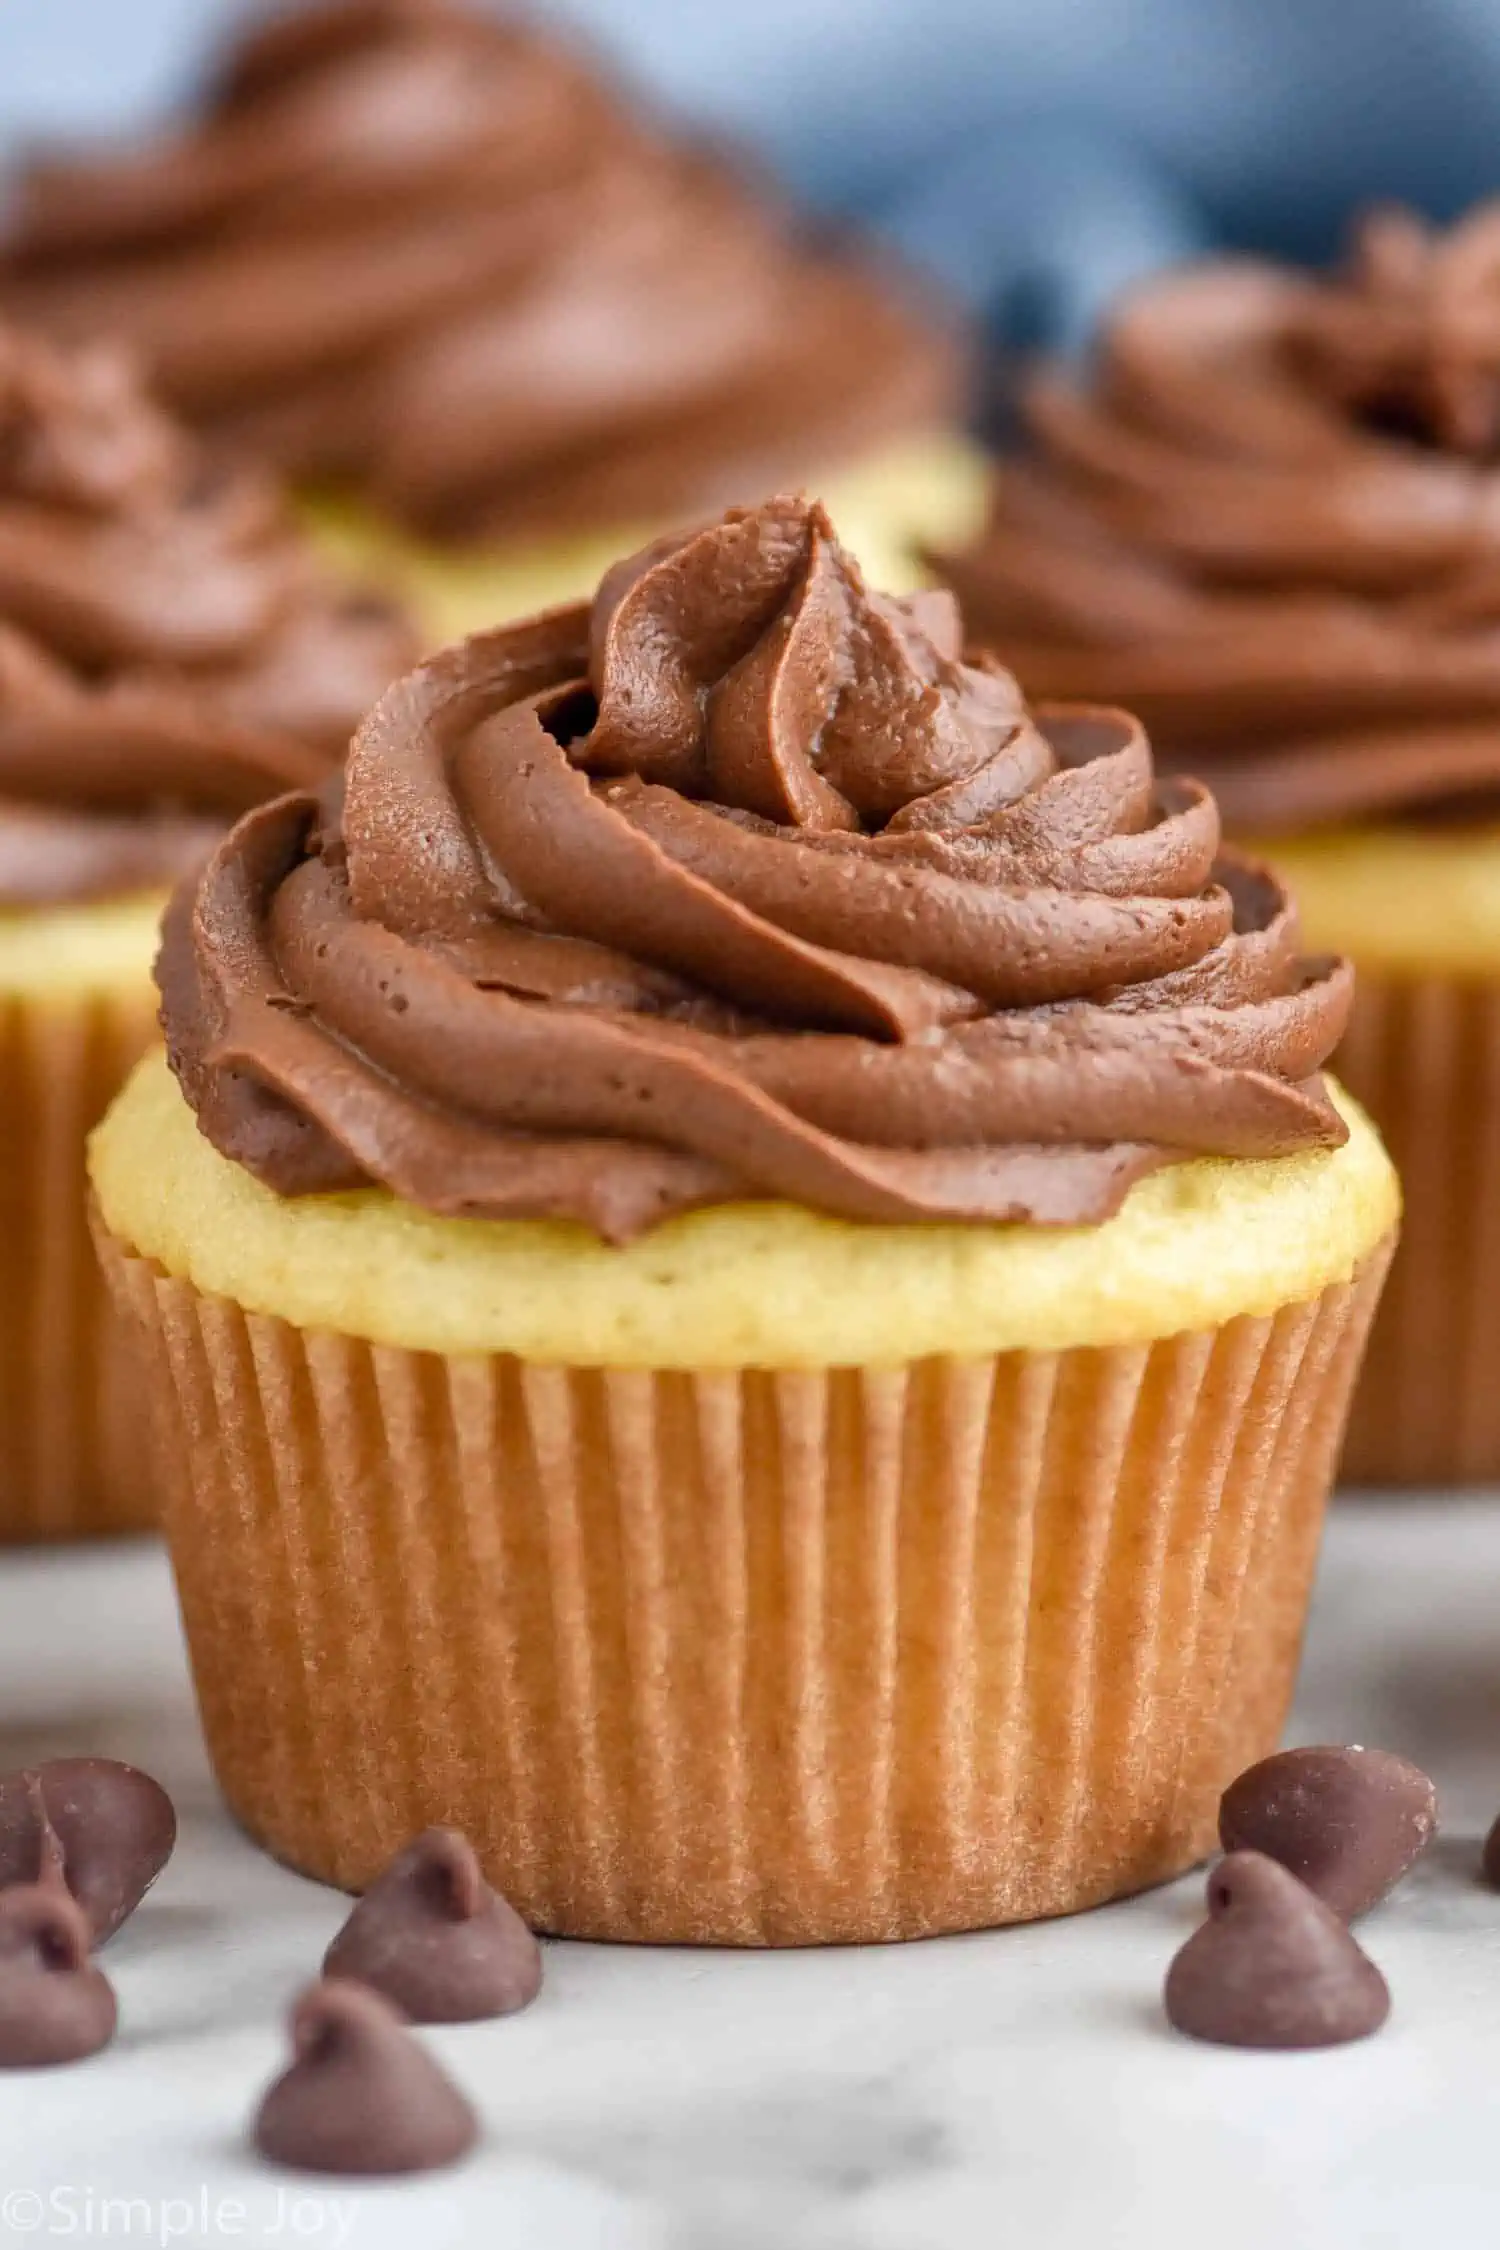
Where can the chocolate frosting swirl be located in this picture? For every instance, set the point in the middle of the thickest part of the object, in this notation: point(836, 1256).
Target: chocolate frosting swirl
point(1271, 525)
point(410, 248)
point(742, 883)
point(170, 654)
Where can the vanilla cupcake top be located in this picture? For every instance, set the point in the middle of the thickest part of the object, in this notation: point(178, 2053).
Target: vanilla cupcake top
point(742, 882)
point(408, 246)
point(169, 651)
point(1270, 522)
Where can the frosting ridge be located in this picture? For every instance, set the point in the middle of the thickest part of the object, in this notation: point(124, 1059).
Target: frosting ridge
point(1270, 523)
point(170, 654)
point(412, 248)
point(742, 882)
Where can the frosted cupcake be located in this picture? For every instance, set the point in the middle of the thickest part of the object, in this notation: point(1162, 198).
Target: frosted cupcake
point(1271, 524)
point(169, 656)
point(749, 1275)
point(435, 267)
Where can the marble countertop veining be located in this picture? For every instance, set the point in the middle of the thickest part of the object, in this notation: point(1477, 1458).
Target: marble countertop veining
point(1017, 2088)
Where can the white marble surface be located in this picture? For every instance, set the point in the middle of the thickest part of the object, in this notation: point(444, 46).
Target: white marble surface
point(1014, 2089)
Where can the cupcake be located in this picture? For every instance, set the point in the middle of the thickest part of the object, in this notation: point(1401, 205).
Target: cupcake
point(495, 317)
point(749, 1277)
point(1270, 523)
point(169, 656)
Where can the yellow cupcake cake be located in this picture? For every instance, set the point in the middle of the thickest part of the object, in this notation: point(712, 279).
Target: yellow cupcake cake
point(169, 655)
point(748, 1275)
point(499, 324)
point(1269, 524)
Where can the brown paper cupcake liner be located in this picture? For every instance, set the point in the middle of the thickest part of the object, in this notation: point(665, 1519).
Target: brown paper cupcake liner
point(1423, 1056)
point(748, 1658)
point(71, 1456)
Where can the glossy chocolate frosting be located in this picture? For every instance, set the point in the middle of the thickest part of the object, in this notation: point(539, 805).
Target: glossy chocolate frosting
point(412, 248)
point(742, 883)
point(170, 654)
point(1271, 525)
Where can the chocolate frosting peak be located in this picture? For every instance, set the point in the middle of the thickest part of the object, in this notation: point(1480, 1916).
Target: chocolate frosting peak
point(169, 652)
point(410, 247)
point(1411, 333)
point(1270, 523)
point(79, 436)
point(744, 882)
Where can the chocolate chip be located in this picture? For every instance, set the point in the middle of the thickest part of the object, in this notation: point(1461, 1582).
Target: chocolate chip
point(1272, 1966)
point(433, 1937)
point(1348, 1822)
point(112, 1831)
point(1489, 1860)
point(55, 2006)
point(361, 2095)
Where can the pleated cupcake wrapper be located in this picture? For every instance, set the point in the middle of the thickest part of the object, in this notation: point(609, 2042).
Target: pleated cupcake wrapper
point(71, 1457)
point(1423, 1055)
point(752, 1658)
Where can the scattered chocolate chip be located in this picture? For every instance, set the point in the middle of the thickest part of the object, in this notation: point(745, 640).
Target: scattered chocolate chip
point(51, 1859)
point(1489, 1858)
point(360, 2095)
point(433, 1937)
point(1272, 1966)
point(55, 2006)
point(107, 1828)
point(1349, 1823)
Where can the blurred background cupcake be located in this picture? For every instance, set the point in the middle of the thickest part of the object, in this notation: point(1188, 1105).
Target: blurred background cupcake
point(749, 1277)
point(1268, 519)
point(170, 654)
point(497, 319)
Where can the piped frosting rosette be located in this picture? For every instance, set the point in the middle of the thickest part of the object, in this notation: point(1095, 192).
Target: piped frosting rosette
point(743, 882)
point(414, 249)
point(170, 653)
point(1270, 523)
